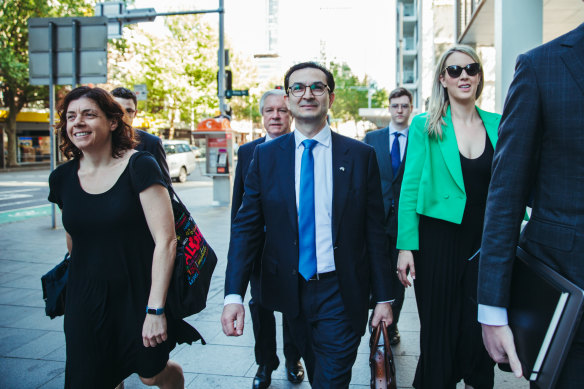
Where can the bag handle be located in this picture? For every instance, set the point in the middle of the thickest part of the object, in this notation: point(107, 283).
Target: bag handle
point(377, 331)
point(169, 188)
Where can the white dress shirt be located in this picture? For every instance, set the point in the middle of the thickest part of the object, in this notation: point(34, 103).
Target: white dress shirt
point(323, 195)
point(403, 140)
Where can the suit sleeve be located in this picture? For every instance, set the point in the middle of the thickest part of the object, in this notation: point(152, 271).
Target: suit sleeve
point(408, 218)
point(377, 243)
point(246, 232)
point(514, 165)
point(237, 186)
point(160, 155)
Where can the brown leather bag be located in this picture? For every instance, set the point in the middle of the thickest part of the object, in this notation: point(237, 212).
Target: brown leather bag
point(381, 360)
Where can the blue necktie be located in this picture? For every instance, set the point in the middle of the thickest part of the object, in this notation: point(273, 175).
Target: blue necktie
point(306, 222)
point(395, 153)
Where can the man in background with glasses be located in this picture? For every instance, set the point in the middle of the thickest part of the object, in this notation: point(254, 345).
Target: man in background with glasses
point(277, 121)
point(319, 198)
point(390, 146)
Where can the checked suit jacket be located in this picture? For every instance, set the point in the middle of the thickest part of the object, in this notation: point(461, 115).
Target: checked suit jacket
point(539, 160)
point(357, 228)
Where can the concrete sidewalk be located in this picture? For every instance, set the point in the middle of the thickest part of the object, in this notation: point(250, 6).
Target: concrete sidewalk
point(32, 347)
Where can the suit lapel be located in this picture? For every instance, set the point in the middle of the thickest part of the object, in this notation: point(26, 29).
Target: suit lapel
point(573, 56)
point(342, 167)
point(449, 148)
point(287, 170)
point(385, 160)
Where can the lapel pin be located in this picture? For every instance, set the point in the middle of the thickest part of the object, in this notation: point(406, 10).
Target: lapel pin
point(342, 169)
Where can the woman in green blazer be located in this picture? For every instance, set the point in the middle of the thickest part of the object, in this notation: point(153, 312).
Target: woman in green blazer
point(440, 217)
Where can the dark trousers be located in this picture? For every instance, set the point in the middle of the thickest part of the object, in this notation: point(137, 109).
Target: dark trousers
point(398, 288)
point(327, 341)
point(264, 332)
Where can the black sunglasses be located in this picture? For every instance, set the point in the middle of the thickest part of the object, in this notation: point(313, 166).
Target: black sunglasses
point(472, 69)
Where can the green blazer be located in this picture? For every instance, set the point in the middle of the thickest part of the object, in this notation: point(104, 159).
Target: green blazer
point(433, 184)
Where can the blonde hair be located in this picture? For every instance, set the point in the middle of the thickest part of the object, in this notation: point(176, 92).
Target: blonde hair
point(439, 101)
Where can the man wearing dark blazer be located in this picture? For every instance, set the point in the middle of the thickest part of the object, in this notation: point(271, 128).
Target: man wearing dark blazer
point(318, 194)
point(391, 170)
point(147, 142)
point(538, 162)
point(276, 121)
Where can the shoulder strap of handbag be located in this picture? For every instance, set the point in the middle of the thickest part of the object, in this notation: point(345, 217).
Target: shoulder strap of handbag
point(133, 179)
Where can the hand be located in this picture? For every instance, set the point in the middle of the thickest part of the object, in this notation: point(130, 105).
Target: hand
point(499, 343)
point(382, 312)
point(232, 319)
point(154, 330)
point(405, 263)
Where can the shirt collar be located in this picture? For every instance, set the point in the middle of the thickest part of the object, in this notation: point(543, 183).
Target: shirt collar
point(392, 130)
point(268, 137)
point(323, 137)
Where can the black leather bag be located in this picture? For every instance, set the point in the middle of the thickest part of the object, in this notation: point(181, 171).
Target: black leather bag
point(381, 360)
point(54, 285)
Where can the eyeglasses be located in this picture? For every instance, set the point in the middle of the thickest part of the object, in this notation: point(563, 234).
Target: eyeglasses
point(396, 106)
point(318, 88)
point(472, 69)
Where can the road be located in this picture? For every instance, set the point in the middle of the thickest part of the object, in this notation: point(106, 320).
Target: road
point(23, 194)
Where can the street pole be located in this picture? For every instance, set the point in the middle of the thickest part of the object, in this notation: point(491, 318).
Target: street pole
point(52, 55)
point(221, 58)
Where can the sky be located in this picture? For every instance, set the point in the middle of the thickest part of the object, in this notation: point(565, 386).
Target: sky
point(360, 33)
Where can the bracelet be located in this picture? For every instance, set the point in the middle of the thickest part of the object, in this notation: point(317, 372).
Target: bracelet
point(155, 311)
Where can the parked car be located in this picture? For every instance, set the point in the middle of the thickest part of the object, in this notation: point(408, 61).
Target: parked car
point(180, 158)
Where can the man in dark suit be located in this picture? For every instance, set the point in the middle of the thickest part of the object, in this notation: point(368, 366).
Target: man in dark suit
point(318, 194)
point(390, 147)
point(277, 121)
point(148, 142)
point(538, 161)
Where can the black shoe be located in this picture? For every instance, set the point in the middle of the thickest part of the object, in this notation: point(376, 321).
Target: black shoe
point(263, 377)
point(393, 334)
point(294, 372)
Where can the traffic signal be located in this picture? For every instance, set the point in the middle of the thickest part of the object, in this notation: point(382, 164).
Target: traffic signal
point(228, 84)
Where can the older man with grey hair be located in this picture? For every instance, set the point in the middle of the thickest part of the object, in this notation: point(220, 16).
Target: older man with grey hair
point(276, 120)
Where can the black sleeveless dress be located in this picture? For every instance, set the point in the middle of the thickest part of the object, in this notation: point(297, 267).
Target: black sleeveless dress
point(109, 278)
point(451, 346)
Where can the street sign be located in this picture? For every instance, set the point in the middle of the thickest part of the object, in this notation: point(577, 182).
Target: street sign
point(244, 92)
point(141, 92)
point(79, 50)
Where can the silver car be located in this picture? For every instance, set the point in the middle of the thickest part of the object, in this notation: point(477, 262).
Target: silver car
point(180, 158)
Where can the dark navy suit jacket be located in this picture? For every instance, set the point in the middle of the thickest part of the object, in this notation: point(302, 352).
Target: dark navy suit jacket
point(390, 184)
point(244, 157)
point(357, 228)
point(153, 145)
point(539, 156)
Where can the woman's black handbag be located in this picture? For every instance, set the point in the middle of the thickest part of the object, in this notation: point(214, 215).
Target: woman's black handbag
point(193, 266)
point(54, 287)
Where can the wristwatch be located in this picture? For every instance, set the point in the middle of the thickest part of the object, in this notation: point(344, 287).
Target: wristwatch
point(155, 311)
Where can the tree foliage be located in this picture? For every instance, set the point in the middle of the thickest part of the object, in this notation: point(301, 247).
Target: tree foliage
point(14, 83)
point(178, 68)
point(351, 93)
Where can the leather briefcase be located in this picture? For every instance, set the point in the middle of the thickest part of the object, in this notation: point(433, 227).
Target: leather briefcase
point(381, 360)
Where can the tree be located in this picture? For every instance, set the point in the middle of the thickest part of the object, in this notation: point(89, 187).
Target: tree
point(178, 69)
point(351, 93)
point(14, 83)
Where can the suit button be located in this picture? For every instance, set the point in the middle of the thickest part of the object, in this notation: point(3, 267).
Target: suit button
point(295, 242)
point(446, 196)
point(294, 272)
